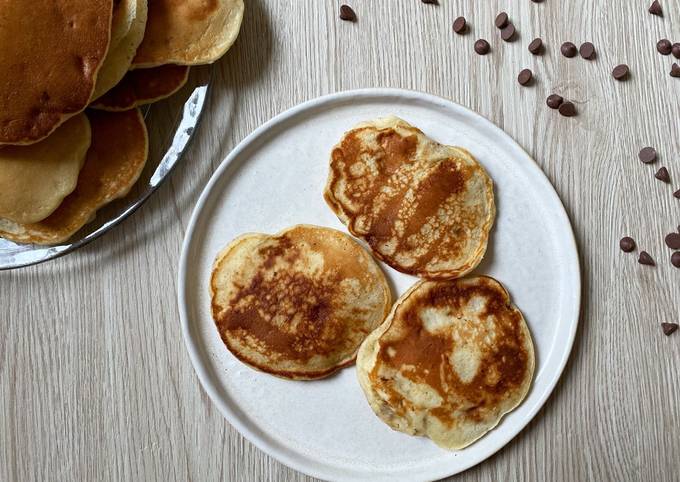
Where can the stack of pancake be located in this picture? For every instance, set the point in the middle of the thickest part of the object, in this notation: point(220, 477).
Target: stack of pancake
point(452, 355)
point(72, 137)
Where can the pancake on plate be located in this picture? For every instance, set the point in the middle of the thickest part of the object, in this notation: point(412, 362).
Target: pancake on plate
point(35, 179)
point(449, 361)
point(113, 164)
point(189, 32)
point(299, 303)
point(143, 86)
point(119, 57)
point(424, 208)
point(50, 55)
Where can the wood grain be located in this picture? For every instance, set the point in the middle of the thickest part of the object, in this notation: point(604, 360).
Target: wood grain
point(95, 382)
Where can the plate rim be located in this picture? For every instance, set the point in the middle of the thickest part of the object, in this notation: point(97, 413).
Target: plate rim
point(365, 93)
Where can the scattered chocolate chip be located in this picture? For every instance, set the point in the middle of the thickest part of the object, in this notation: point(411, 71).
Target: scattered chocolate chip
point(536, 46)
point(627, 244)
point(554, 101)
point(675, 50)
point(430, 2)
point(567, 109)
point(655, 8)
point(587, 51)
point(675, 259)
point(672, 240)
point(459, 25)
point(664, 46)
point(482, 47)
point(646, 259)
point(647, 155)
point(568, 49)
point(676, 194)
point(675, 70)
point(347, 14)
point(508, 32)
point(662, 175)
point(524, 77)
point(620, 72)
point(537, 1)
point(501, 20)
point(669, 328)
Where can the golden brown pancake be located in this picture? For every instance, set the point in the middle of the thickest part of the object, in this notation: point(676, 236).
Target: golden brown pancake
point(449, 361)
point(124, 12)
point(50, 54)
point(35, 179)
point(119, 57)
point(143, 86)
point(299, 303)
point(189, 32)
point(114, 162)
point(424, 208)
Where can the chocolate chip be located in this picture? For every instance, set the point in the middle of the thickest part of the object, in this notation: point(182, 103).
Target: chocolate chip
point(675, 259)
point(347, 14)
point(524, 77)
point(620, 72)
point(664, 46)
point(669, 328)
point(567, 109)
point(587, 51)
point(482, 47)
point(459, 25)
point(508, 32)
point(646, 259)
point(676, 194)
point(675, 70)
point(655, 8)
point(647, 155)
point(536, 46)
point(662, 175)
point(554, 101)
point(672, 240)
point(537, 1)
point(430, 2)
point(627, 244)
point(501, 20)
point(675, 50)
point(568, 49)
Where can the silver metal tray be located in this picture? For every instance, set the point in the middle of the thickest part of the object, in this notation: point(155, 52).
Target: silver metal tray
point(171, 124)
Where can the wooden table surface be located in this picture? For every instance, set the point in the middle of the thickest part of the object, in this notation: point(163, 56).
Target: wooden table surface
point(95, 381)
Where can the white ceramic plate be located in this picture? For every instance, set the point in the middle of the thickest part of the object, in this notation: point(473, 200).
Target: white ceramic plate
point(274, 179)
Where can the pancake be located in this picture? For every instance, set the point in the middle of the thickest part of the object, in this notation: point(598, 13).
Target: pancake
point(114, 162)
point(124, 13)
point(35, 179)
point(189, 32)
point(143, 86)
point(299, 303)
point(50, 53)
point(449, 361)
point(424, 208)
point(119, 58)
